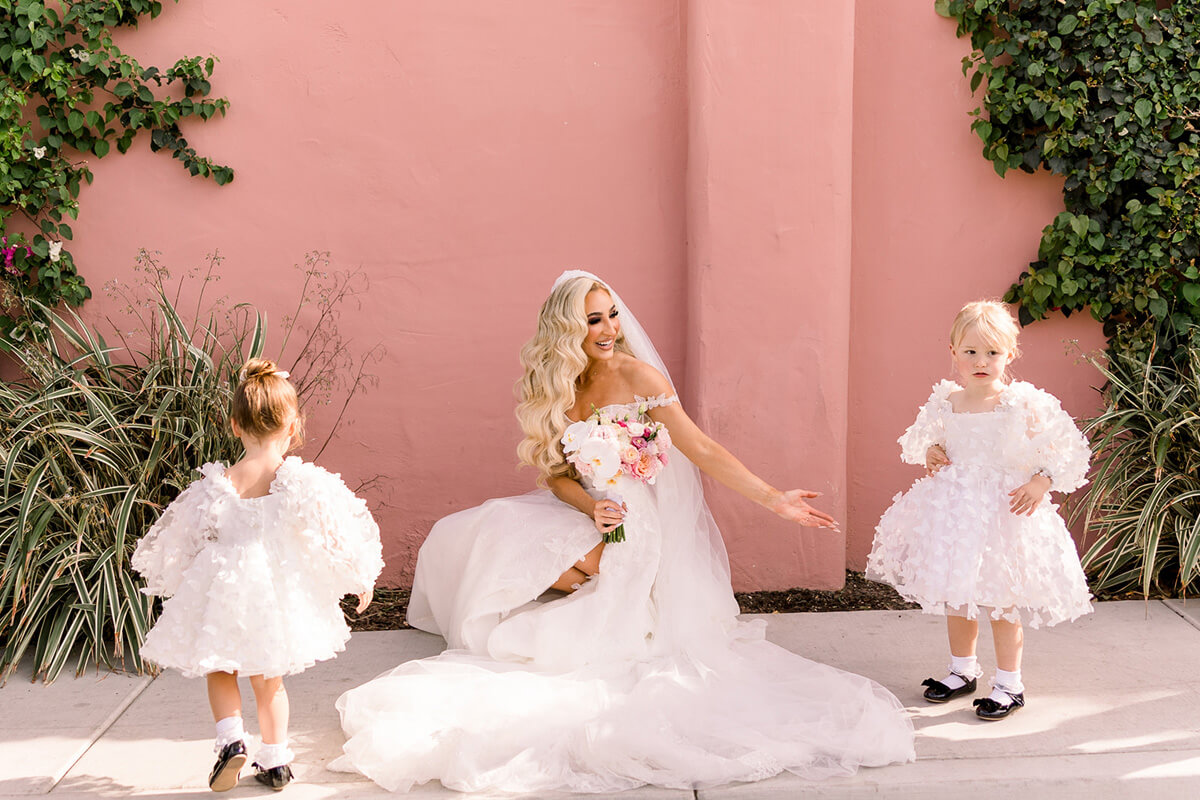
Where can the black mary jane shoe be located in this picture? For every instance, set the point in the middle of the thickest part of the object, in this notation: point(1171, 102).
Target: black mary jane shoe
point(275, 777)
point(989, 709)
point(224, 775)
point(939, 692)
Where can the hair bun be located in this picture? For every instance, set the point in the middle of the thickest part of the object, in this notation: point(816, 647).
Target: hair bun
point(257, 368)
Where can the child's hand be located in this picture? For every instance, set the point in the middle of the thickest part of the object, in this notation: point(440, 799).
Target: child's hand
point(1026, 498)
point(935, 459)
point(364, 600)
point(791, 506)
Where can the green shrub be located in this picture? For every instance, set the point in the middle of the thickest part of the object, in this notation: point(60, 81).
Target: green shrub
point(1142, 507)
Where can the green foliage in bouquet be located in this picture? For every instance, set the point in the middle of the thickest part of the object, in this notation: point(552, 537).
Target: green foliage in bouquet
point(1106, 94)
point(68, 93)
point(1142, 507)
point(97, 438)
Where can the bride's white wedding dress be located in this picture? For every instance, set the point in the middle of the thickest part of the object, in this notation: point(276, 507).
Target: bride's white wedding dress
point(644, 675)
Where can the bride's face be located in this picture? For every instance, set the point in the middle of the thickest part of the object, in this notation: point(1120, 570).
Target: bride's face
point(603, 325)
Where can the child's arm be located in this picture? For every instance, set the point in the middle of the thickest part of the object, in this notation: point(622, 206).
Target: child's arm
point(1028, 496)
point(935, 459)
point(169, 547)
point(928, 429)
point(335, 525)
point(1059, 451)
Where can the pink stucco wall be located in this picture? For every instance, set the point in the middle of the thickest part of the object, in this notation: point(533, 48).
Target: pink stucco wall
point(462, 154)
point(786, 191)
point(769, 174)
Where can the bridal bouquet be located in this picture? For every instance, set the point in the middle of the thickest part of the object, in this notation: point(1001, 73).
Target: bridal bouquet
point(606, 447)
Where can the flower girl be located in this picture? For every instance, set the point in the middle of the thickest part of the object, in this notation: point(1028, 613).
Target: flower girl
point(254, 560)
point(977, 531)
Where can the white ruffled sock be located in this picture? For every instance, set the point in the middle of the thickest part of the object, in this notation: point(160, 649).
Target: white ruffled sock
point(961, 669)
point(270, 756)
point(229, 730)
point(1006, 684)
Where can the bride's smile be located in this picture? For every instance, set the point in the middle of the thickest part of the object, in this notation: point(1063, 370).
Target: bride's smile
point(604, 327)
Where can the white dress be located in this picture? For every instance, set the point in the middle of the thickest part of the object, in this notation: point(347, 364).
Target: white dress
point(639, 677)
point(253, 584)
point(951, 543)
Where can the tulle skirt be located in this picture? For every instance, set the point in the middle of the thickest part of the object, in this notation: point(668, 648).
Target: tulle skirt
point(256, 607)
point(599, 690)
point(951, 544)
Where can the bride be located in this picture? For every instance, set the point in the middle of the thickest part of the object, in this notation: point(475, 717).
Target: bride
point(637, 670)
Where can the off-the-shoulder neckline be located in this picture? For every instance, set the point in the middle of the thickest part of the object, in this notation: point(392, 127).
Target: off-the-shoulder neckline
point(662, 400)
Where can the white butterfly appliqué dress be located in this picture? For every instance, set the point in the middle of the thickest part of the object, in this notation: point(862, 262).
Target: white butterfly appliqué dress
point(642, 676)
point(253, 584)
point(951, 543)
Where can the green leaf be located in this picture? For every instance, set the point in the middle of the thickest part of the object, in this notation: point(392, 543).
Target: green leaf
point(1079, 224)
point(1068, 24)
point(940, 7)
point(1191, 293)
point(100, 148)
point(1142, 108)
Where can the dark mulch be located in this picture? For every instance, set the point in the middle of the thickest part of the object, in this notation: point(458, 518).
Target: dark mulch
point(859, 594)
point(387, 610)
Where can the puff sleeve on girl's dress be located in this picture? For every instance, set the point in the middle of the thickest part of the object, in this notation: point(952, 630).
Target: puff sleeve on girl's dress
point(1055, 444)
point(928, 429)
point(335, 523)
point(186, 524)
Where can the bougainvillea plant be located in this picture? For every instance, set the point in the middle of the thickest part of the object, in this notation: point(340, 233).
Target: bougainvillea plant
point(69, 94)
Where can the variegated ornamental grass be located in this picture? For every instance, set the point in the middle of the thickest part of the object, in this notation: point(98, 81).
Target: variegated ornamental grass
point(94, 443)
point(1142, 508)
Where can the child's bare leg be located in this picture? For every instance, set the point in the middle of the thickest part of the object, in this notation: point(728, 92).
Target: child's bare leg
point(223, 695)
point(963, 634)
point(1008, 692)
point(226, 702)
point(273, 709)
point(1009, 638)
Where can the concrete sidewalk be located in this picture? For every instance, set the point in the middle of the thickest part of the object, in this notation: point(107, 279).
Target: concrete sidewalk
point(1114, 712)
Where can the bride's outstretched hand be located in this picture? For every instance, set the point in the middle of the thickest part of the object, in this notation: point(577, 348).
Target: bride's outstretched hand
point(791, 505)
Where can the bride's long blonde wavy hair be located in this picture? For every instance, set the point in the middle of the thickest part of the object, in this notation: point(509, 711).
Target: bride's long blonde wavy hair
point(554, 362)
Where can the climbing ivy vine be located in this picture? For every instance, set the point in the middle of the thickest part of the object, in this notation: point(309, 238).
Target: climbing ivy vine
point(69, 94)
point(1105, 94)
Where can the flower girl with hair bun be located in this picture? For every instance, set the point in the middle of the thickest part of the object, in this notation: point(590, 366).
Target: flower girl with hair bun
point(253, 560)
point(977, 536)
